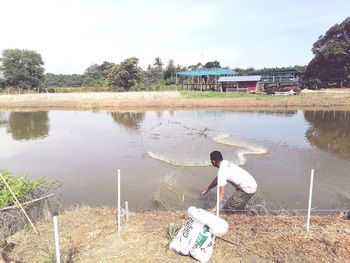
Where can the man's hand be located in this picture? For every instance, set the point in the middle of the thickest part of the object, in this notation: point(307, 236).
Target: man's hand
point(206, 190)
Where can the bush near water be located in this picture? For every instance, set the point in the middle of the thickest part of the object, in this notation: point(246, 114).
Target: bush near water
point(20, 186)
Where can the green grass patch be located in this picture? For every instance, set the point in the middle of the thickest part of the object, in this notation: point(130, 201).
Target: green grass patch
point(215, 94)
point(21, 186)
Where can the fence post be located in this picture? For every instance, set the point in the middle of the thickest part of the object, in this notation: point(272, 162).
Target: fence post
point(57, 241)
point(126, 211)
point(217, 200)
point(310, 199)
point(118, 202)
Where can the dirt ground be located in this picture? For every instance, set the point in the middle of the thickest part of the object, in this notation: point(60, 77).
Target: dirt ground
point(169, 100)
point(89, 235)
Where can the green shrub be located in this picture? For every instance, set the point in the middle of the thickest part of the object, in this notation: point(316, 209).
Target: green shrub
point(20, 186)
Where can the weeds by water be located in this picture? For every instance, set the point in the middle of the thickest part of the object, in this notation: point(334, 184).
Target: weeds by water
point(20, 186)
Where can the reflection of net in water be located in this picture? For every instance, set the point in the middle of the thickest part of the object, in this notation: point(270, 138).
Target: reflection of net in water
point(169, 195)
point(247, 148)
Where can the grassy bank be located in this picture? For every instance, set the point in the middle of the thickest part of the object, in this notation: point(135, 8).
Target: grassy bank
point(89, 235)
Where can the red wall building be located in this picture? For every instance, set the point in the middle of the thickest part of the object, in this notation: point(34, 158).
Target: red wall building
point(240, 83)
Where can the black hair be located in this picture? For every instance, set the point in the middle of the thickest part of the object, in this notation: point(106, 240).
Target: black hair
point(216, 156)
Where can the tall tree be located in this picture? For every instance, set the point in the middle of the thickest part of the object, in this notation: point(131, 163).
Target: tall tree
point(170, 69)
point(158, 63)
point(155, 74)
point(331, 63)
point(212, 64)
point(22, 69)
point(197, 66)
point(93, 71)
point(63, 80)
point(126, 74)
point(97, 71)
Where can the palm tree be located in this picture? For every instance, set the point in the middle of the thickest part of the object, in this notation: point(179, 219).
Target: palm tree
point(158, 62)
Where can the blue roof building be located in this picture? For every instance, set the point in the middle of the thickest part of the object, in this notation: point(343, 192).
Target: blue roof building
point(202, 79)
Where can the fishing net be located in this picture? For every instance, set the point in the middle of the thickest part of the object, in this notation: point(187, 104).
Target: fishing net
point(42, 202)
point(182, 145)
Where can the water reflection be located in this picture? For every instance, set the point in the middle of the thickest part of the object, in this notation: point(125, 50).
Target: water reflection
point(3, 119)
point(330, 131)
point(28, 125)
point(130, 120)
point(285, 113)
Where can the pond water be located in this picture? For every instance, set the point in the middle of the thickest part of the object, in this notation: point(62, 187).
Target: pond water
point(164, 156)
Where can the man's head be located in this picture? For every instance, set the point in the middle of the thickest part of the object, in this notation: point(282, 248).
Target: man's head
point(216, 158)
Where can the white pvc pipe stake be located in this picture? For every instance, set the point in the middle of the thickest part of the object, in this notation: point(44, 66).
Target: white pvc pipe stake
point(310, 198)
point(217, 200)
point(119, 202)
point(57, 241)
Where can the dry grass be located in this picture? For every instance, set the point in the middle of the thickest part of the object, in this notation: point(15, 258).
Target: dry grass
point(89, 235)
point(169, 100)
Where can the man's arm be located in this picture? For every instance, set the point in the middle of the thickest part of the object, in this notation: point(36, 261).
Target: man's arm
point(212, 185)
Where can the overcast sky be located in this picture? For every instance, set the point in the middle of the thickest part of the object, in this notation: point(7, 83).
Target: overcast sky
point(71, 35)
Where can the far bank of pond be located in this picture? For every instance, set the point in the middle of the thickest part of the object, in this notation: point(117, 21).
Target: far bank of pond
point(173, 100)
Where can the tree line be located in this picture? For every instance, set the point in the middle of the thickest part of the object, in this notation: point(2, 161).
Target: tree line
point(24, 69)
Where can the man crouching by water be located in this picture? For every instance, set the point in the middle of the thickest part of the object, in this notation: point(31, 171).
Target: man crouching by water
point(244, 183)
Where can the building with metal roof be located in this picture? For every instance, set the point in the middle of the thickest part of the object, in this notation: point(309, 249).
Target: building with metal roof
point(240, 83)
point(202, 79)
point(240, 78)
point(207, 72)
point(281, 76)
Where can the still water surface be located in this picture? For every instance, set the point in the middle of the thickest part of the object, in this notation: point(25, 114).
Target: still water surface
point(164, 155)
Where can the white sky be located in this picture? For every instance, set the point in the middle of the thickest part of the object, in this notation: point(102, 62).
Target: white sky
point(71, 34)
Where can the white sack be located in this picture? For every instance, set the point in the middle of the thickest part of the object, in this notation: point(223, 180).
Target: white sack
point(217, 226)
point(195, 239)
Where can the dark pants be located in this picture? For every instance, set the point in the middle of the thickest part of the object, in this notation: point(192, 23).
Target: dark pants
point(238, 200)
